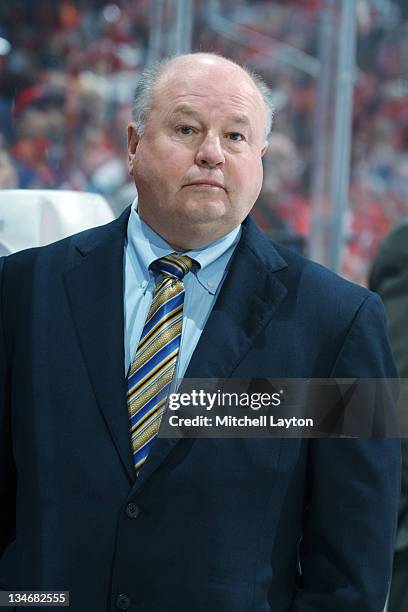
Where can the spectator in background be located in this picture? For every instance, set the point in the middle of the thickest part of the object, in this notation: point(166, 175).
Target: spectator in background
point(283, 169)
point(8, 174)
point(389, 278)
point(280, 213)
point(87, 52)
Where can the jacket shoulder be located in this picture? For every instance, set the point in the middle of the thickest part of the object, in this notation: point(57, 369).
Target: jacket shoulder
point(319, 282)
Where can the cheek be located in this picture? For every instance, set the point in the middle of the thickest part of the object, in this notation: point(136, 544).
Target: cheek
point(249, 177)
point(165, 165)
point(177, 160)
point(148, 169)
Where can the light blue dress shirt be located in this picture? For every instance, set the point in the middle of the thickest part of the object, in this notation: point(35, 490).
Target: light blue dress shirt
point(202, 285)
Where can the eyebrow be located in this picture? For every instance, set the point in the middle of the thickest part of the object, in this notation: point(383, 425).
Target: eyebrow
point(239, 119)
point(185, 110)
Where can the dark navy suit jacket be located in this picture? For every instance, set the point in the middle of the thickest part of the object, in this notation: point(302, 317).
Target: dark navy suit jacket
point(210, 524)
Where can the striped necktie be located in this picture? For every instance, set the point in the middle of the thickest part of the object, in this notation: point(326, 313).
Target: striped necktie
point(154, 364)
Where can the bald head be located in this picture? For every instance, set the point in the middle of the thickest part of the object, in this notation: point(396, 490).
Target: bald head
point(159, 74)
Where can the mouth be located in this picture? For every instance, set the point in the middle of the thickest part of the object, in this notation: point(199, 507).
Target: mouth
point(207, 184)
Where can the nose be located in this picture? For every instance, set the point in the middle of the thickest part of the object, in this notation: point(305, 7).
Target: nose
point(210, 153)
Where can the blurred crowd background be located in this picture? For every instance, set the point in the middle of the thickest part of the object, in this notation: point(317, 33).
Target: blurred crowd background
point(68, 70)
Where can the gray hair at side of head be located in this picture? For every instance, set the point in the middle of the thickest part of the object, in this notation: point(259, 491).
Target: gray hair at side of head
point(143, 96)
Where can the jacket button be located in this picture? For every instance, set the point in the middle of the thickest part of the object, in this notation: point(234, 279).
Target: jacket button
point(123, 602)
point(132, 510)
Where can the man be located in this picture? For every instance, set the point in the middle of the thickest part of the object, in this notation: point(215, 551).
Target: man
point(389, 278)
point(92, 500)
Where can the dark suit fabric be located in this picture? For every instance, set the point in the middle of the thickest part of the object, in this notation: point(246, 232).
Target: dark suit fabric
point(389, 277)
point(219, 521)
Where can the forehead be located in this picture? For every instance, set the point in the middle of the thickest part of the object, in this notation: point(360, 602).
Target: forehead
point(207, 88)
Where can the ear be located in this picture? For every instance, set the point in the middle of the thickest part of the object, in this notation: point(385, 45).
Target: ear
point(133, 140)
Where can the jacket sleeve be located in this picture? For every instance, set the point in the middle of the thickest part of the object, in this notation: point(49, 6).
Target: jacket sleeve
point(7, 468)
point(354, 485)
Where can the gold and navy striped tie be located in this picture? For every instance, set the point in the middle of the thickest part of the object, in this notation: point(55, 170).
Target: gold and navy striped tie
point(154, 364)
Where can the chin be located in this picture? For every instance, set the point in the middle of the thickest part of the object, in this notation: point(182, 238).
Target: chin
point(204, 211)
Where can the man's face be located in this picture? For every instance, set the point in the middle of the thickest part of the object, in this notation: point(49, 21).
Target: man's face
point(197, 166)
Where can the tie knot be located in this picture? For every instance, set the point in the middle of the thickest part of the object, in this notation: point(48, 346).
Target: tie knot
point(174, 265)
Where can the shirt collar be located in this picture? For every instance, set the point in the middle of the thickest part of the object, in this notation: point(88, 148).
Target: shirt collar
point(147, 246)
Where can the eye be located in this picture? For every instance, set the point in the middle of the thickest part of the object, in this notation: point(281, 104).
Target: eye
point(186, 130)
point(236, 136)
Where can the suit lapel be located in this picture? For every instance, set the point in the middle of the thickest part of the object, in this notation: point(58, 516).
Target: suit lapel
point(247, 301)
point(94, 285)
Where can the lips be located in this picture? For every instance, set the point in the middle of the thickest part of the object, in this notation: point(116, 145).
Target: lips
point(204, 183)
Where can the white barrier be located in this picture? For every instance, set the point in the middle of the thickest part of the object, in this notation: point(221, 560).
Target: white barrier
point(31, 217)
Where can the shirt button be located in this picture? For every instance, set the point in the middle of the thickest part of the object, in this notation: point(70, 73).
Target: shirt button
point(144, 284)
point(209, 284)
point(132, 510)
point(123, 602)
